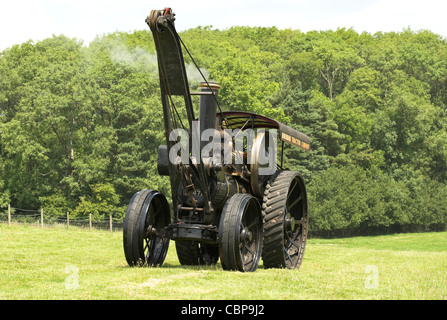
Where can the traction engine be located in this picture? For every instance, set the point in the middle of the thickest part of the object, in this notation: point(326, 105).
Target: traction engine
point(231, 198)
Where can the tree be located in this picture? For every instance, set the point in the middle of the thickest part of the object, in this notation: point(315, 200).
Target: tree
point(405, 122)
point(103, 202)
point(336, 62)
point(244, 77)
point(42, 109)
point(308, 114)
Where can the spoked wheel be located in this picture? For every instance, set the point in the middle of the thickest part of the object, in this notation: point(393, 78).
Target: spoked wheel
point(240, 233)
point(285, 220)
point(194, 253)
point(143, 240)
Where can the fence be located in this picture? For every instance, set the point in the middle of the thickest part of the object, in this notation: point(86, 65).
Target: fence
point(37, 217)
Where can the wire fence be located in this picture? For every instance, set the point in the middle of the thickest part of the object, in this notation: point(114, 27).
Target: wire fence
point(12, 215)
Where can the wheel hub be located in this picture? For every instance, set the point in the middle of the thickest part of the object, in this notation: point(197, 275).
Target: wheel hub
point(289, 223)
point(246, 235)
point(151, 232)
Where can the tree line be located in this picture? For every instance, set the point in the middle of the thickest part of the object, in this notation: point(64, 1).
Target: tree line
point(80, 125)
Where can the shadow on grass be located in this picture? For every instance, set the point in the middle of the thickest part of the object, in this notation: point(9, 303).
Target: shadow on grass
point(167, 265)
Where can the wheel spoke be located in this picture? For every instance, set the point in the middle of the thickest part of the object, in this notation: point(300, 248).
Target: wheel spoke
point(150, 252)
point(249, 261)
point(147, 241)
point(253, 224)
point(291, 190)
point(294, 203)
point(146, 250)
point(247, 247)
point(287, 254)
point(294, 243)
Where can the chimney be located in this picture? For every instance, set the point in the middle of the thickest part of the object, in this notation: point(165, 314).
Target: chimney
point(207, 107)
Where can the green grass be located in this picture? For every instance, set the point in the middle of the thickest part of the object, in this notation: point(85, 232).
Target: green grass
point(53, 263)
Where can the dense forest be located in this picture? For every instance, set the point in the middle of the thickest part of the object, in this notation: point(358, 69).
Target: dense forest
point(80, 125)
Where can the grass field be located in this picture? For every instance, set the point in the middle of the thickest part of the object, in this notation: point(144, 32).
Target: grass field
point(55, 263)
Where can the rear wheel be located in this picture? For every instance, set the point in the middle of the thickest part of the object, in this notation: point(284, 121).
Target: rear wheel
point(143, 231)
point(194, 253)
point(285, 220)
point(240, 233)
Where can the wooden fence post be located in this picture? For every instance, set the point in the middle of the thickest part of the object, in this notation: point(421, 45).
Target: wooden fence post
point(41, 217)
point(90, 221)
point(9, 214)
point(111, 229)
point(68, 221)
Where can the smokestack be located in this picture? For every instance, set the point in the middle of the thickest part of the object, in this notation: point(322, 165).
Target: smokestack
point(207, 107)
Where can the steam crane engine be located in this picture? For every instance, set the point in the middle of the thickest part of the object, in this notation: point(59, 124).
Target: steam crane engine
point(231, 199)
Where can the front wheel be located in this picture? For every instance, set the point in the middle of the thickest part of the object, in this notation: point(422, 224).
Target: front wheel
point(146, 217)
point(240, 233)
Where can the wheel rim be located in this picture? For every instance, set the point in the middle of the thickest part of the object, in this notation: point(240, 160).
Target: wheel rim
point(295, 224)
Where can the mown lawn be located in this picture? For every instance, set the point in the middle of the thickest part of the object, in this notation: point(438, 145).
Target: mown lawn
point(55, 263)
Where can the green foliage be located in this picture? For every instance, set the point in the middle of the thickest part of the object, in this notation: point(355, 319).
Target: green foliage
point(103, 202)
point(80, 126)
point(247, 82)
point(350, 200)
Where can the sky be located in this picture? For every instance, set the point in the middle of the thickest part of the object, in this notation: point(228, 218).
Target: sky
point(23, 20)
